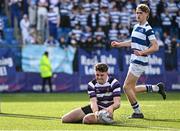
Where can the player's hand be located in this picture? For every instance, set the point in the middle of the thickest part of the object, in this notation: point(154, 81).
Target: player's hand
point(96, 115)
point(110, 110)
point(138, 53)
point(115, 44)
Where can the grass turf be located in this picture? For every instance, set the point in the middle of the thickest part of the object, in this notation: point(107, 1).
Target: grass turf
point(31, 111)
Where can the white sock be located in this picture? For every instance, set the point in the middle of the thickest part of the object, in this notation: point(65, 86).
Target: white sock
point(155, 88)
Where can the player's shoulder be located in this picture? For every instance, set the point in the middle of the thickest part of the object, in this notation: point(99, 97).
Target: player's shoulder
point(94, 81)
point(136, 25)
point(147, 26)
point(112, 79)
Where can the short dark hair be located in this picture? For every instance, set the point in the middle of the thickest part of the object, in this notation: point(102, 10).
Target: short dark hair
point(101, 67)
point(46, 53)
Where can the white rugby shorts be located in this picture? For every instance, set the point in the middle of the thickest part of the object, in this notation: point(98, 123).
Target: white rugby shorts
point(136, 69)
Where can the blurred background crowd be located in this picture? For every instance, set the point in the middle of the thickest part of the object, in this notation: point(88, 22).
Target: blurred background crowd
point(87, 24)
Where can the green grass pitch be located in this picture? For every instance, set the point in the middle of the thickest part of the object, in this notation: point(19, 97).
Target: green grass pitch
point(38, 111)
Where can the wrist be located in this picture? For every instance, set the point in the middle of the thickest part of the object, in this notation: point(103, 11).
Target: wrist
point(96, 113)
point(110, 109)
point(142, 53)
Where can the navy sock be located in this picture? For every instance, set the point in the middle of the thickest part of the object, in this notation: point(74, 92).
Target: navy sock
point(136, 107)
point(149, 88)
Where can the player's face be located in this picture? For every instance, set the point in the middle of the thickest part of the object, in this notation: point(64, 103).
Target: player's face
point(141, 16)
point(101, 77)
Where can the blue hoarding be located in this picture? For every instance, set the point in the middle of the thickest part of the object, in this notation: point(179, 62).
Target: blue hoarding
point(87, 60)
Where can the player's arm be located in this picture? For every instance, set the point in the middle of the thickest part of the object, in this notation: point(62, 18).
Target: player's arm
point(153, 48)
point(115, 105)
point(94, 106)
point(121, 44)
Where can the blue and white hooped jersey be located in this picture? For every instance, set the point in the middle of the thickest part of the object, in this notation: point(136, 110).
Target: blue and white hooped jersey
point(140, 40)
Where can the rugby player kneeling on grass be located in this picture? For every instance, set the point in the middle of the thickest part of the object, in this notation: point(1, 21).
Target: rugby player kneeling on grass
point(104, 92)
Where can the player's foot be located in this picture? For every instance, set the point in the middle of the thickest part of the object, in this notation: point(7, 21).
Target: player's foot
point(137, 115)
point(162, 90)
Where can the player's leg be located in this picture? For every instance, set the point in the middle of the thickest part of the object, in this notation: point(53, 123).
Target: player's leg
point(77, 115)
point(102, 118)
point(133, 75)
point(74, 116)
point(159, 88)
point(90, 118)
point(129, 89)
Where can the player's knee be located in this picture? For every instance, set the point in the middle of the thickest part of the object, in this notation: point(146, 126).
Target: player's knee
point(125, 86)
point(65, 119)
point(88, 120)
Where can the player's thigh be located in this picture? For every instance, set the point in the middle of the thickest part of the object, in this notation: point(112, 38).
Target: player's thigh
point(73, 116)
point(130, 81)
point(136, 69)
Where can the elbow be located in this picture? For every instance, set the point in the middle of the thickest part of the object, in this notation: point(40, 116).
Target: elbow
point(156, 48)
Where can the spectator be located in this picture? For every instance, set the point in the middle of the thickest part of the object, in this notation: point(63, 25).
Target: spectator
point(123, 32)
point(99, 38)
point(73, 18)
point(24, 25)
point(166, 21)
point(172, 8)
point(86, 6)
point(170, 52)
point(77, 31)
point(99, 32)
point(65, 11)
point(32, 9)
point(124, 17)
point(113, 32)
point(55, 4)
point(53, 21)
point(93, 20)
point(104, 20)
point(15, 11)
point(160, 7)
point(51, 41)
point(73, 40)
point(41, 17)
point(95, 5)
point(83, 18)
point(114, 15)
point(62, 43)
point(32, 38)
point(86, 39)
